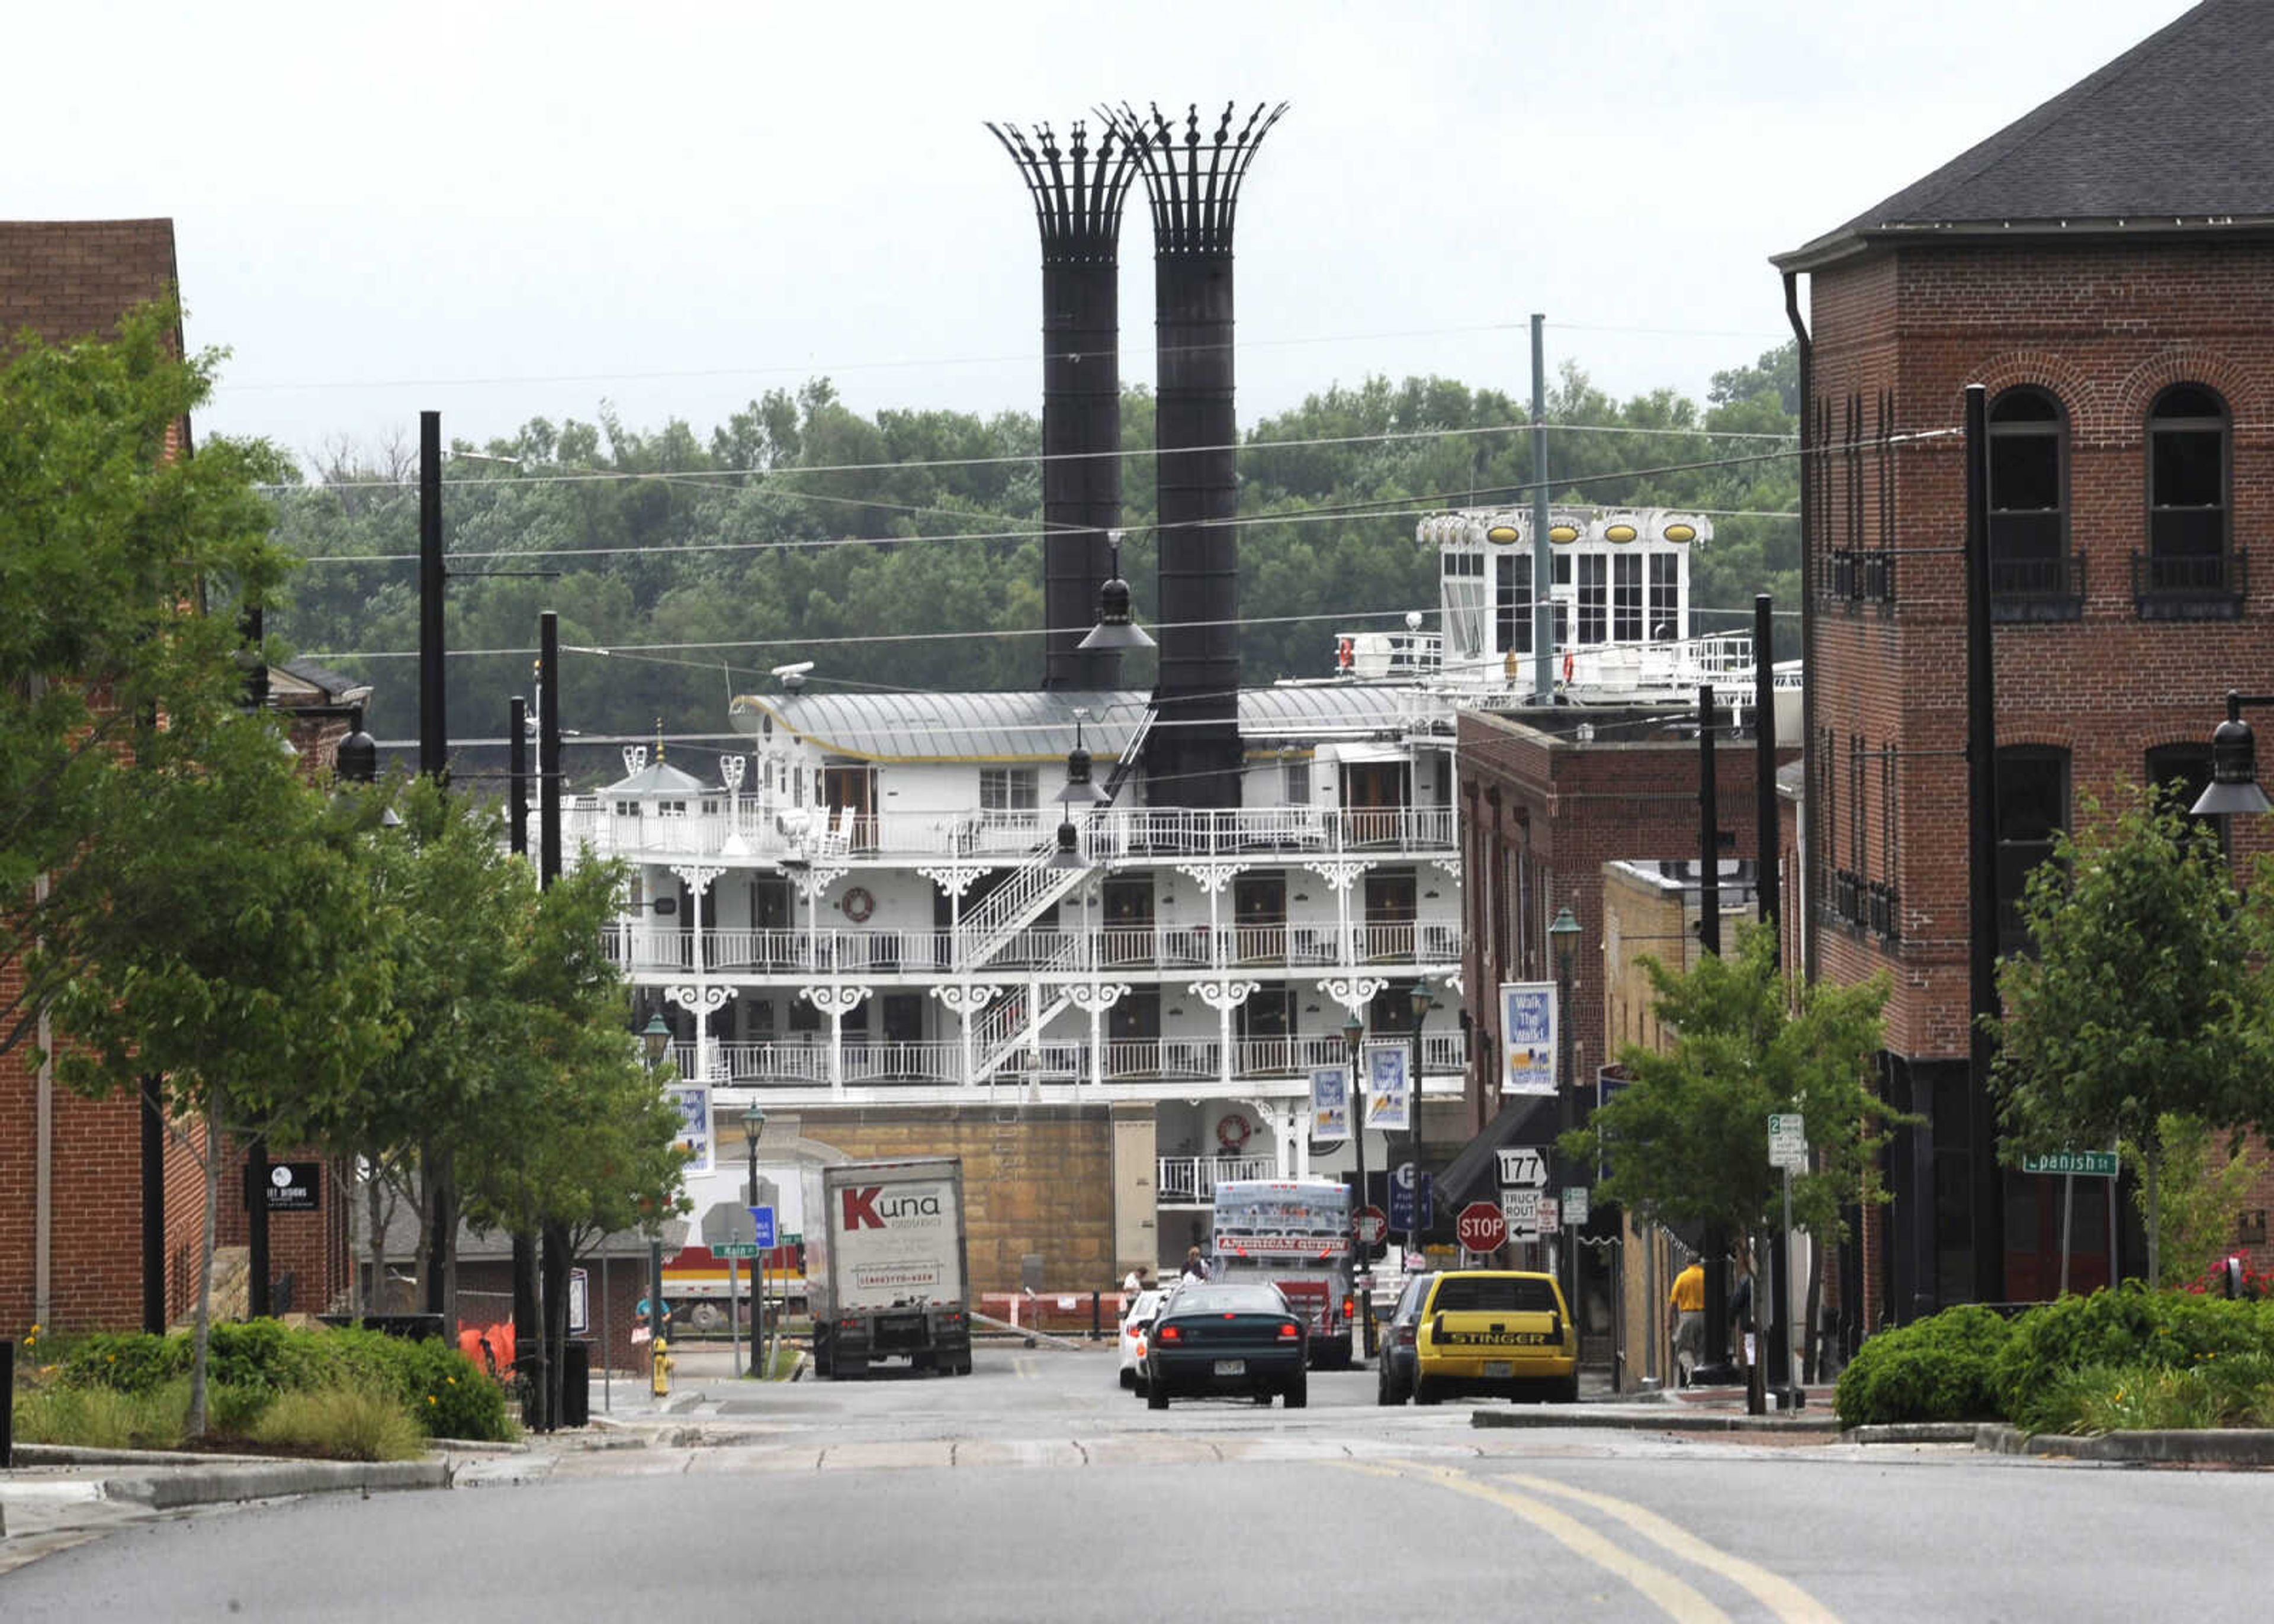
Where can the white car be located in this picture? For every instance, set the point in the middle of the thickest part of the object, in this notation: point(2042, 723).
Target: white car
point(1143, 1309)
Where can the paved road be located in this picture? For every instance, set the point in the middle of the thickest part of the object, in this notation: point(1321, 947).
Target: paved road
point(1035, 1488)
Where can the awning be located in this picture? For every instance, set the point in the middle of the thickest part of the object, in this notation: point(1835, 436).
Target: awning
point(1473, 1174)
point(1362, 750)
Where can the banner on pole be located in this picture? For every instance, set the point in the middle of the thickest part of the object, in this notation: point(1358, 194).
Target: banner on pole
point(1527, 1036)
point(1388, 1103)
point(693, 1103)
point(1329, 1103)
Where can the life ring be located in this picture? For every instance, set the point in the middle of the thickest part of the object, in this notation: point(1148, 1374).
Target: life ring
point(1566, 665)
point(1344, 652)
point(858, 904)
point(1231, 1131)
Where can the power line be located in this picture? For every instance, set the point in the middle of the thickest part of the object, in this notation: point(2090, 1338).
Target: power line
point(1022, 459)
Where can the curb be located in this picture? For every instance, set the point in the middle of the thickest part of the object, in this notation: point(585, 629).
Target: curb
point(1916, 1433)
point(217, 1485)
point(1671, 1421)
point(2232, 1446)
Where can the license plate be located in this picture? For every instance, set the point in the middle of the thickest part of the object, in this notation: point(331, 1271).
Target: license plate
point(1232, 1367)
point(1495, 1370)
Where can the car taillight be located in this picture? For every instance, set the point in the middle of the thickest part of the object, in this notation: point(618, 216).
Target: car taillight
point(1289, 1330)
point(1350, 1307)
point(1405, 1336)
point(1170, 1334)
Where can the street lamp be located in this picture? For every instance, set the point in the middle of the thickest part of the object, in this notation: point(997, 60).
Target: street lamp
point(2234, 785)
point(754, 1127)
point(1354, 1034)
point(1115, 629)
point(1422, 1003)
point(1563, 937)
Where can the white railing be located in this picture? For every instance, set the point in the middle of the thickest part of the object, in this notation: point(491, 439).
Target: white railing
point(764, 835)
point(1188, 1180)
point(805, 1061)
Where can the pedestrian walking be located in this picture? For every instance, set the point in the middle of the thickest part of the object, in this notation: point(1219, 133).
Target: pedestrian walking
point(1685, 1319)
point(1195, 1265)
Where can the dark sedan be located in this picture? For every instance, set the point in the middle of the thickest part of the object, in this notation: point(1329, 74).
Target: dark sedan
point(1394, 1377)
point(1227, 1337)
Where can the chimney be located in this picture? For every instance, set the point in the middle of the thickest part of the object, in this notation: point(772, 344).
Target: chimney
point(1078, 197)
point(1193, 757)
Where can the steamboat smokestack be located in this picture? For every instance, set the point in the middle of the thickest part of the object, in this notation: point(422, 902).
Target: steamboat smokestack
point(1078, 196)
point(1193, 758)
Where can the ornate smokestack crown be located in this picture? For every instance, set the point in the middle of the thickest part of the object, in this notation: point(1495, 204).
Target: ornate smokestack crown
point(1194, 184)
point(1077, 192)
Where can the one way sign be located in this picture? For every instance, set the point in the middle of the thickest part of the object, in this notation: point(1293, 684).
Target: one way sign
point(1522, 1167)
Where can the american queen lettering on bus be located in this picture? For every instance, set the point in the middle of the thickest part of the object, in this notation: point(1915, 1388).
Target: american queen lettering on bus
point(1527, 1024)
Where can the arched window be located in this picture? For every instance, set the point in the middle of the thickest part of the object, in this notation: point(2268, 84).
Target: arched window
point(2028, 494)
point(2188, 470)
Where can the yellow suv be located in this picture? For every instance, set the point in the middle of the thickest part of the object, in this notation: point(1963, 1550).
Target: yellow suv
point(1496, 1331)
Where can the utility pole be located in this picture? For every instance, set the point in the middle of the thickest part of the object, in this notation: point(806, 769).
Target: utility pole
point(1709, 940)
point(1776, 1314)
point(528, 1324)
point(433, 763)
point(554, 1232)
point(256, 1152)
point(1543, 569)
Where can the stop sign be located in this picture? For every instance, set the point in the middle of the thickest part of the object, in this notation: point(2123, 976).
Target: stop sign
point(1370, 1225)
point(1481, 1227)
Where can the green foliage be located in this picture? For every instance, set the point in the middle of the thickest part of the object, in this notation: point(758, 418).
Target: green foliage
point(1937, 1368)
point(444, 1392)
point(103, 1418)
point(2140, 1003)
point(931, 522)
point(2200, 1193)
point(2119, 1330)
point(1687, 1139)
point(2101, 1398)
point(350, 1423)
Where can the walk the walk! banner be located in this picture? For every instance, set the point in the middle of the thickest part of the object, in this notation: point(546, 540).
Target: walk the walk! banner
point(1527, 1037)
point(1329, 1103)
point(1389, 1105)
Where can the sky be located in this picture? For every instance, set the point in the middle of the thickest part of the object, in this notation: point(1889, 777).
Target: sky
point(505, 212)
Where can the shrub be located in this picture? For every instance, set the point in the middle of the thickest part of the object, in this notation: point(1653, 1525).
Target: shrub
point(1936, 1369)
point(126, 1362)
point(2127, 1328)
point(355, 1422)
point(99, 1417)
point(2236, 1392)
point(447, 1393)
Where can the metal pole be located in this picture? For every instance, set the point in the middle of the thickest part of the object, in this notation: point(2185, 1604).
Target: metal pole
point(757, 1297)
point(654, 1290)
point(1982, 863)
point(607, 1370)
point(735, 1316)
point(433, 734)
point(1543, 569)
point(1566, 1245)
point(1413, 1156)
point(1358, 1098)
point(1778, 1260)
point(1709, 830)
point(153, 1208)
point(2069, 1216)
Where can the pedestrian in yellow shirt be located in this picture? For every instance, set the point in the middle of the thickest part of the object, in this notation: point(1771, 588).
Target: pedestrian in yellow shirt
point(1685, 1317)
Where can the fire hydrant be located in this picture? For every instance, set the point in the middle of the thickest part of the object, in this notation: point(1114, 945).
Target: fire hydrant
point(659, 1379)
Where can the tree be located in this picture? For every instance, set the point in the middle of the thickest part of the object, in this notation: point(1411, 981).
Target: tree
point(112, 539)
point(237, 958)
point(2199, 1193)
point(2137, 1001)
point(1687, 1138)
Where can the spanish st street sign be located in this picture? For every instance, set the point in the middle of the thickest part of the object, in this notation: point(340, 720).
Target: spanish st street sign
point(2084, 1163)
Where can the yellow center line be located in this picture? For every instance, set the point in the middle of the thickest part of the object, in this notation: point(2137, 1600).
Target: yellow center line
point(1677, 1600)
point(1780, 1595)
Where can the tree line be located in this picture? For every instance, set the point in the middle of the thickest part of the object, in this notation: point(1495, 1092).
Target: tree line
point(801, 524)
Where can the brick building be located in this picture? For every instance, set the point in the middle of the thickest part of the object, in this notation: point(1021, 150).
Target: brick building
point(71, 1187)
point(2104, 267)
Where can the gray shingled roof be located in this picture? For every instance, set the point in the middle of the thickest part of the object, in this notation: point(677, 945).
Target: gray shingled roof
point(2172, 135)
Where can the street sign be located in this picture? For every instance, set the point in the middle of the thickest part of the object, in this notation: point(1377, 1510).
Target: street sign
point(1519, 1209)
point(1408, 1210)
point(1550, 1217)
point(724, 1222)
point(1521, 1165)
point(580, 1300)
point(1787, 1141)
point(762, 1225)
point(1370, 1225)
point(1480, 1228)
point(2084, 1163)
point(1574, 1211)
point(736, 1249)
